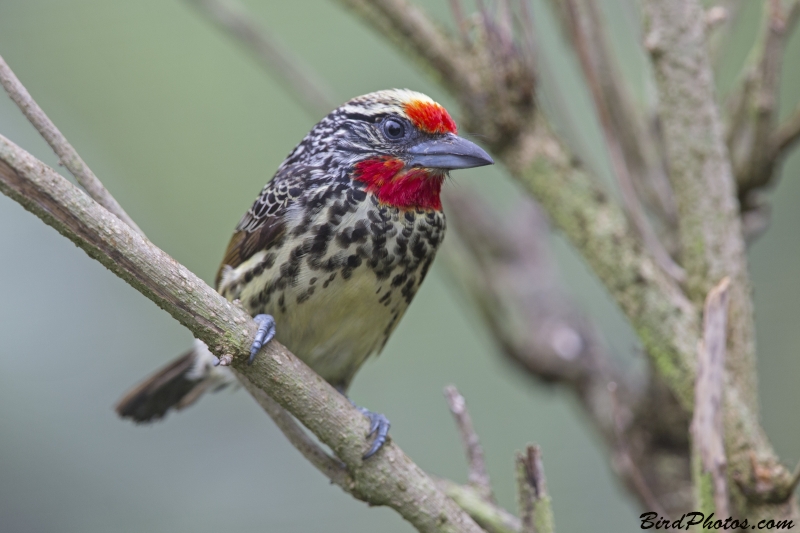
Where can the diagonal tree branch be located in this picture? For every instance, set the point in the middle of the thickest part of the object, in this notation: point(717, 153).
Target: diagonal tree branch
point(390, 478)
point(712, 244)
point(63, 149)
point(306, 88)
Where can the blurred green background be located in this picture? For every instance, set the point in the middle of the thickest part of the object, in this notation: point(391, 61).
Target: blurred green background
point(184, 128)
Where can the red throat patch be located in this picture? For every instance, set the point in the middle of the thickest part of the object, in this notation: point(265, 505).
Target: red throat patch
point(430, 117)
point(416, 187)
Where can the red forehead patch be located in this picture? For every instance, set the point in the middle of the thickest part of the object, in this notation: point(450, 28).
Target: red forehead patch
point(430, 117)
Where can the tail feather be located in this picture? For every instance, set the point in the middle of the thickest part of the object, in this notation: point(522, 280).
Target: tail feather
point(176, 386)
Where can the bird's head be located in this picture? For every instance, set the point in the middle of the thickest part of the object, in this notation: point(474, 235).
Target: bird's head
point(400, 143)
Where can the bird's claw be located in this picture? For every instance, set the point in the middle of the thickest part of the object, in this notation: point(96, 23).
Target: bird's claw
point(265, 333)
point(379, 426)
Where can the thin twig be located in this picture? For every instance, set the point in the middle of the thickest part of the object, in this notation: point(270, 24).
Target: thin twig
point(534, 500)
point(63, 149)
point(755, 138)
point(390, 478)
point(307, 89)
point(759, 165)
point(478, 475)
point(707, 423)
point(611, 135)
point(408, 25)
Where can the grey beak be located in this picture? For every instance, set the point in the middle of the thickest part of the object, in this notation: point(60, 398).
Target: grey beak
point(448, 153)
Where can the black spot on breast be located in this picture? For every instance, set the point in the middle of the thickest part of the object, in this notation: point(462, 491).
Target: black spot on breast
point(353, 261)
point(419, 249)
point(360, 231)
point(305, 295)
point(425, 266)
point(409, 289)
point(338, 210)
point(322, 236)
point(312, 281)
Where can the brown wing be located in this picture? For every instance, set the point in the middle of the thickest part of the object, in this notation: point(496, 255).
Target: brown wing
point(246, 243)
point(263, 226)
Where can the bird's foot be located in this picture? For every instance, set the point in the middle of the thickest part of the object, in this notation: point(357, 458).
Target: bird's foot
point(378, 426)
point(265, 333)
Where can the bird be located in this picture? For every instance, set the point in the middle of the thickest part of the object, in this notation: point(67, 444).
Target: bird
point(333, 250)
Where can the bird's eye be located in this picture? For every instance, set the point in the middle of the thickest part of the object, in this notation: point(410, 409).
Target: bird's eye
point(393, 129)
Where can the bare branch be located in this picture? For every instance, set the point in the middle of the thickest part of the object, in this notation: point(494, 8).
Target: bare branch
point(707, 424)
point(712, 243)
point(656, 306)
point(390, 478)
point(409, 27)
point(488, 515)
point(478, 476)
point(788, 133)
point(63, 149)
point(331, 467)
point(756, 153)
point(505, 265)
point(605, 90)
point(307, 89)
point(755, 139)
point(534, 500)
